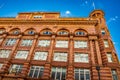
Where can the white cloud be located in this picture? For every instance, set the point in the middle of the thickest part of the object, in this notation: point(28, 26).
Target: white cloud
point(112, 19)
point(67, 12)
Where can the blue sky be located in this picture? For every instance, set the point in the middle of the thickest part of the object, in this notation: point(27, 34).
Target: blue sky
point(69, 8)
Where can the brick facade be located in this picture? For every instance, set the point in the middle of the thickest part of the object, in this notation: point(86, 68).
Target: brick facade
point(53, 22)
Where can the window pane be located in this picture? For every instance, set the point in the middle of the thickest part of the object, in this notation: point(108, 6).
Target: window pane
point(59, 56)
point(26, 42)
point(106, 43)
point(21, 54)
point(58, 73)
point(16, 68)
point(82, 74)
point(79, 57)
point(62, 44)
point(44, 43)
point(109, 56)
point(1, 65)
point(4, 53)
point(36, 71)
point(10, 42)
point(80, 44)
point(114, 75)
point(40, 55)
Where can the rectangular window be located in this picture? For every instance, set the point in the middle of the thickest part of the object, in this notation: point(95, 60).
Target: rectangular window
point(26, 42)
point(58, 73)
point(15, 68)
point(82, 74)
point(106, 43)
point(1, 65)
point(36, 71)
point(4, 53)
point(44, 43)
point(61, 44)
point(10, 42)
point(80, 57)
point(114, 75)
point(80, 44)
point(22, 54)
point(109, 56)
point(40, 55)
point(60, 56)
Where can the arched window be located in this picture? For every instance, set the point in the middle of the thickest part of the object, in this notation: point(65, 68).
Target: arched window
point(2, 31)
point(103, 32)
point(62, 32)
point(14, 31)
point(46, 32)
point(80, 33)
point(31, 32)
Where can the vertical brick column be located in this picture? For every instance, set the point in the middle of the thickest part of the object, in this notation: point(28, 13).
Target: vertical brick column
point(47, 67)
point(92, 53)
point(26, 65)
point(70, 69)
point(98, 53)
point(3, 36)
point(7, 61)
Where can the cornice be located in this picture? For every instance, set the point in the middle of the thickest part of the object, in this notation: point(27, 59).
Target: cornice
point(50, 21)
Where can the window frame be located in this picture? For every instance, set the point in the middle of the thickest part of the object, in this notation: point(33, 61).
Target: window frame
point(46, 43)
point(79, 71)
point(58, 70)
point(5, 51)
point(17, 69)
point(20, 56)
point(64, 44)
point(60, 56)
point(35, 69)
point(80, 44)
point(10, 41)
point(45, 53)
point(82, 57)
point(26, 42)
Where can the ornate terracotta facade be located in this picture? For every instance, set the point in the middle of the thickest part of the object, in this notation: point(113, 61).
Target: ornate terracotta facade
point(39, 22)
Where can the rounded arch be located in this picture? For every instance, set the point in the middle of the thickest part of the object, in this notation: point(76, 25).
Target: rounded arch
point(62, 31)
point(30, 31)
point(80, 32)
point(2, 30)
point(46, 31)
point(15, 31)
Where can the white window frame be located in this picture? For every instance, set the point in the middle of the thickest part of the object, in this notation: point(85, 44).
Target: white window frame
point(26, 42)
point(81, 57)
point(80, 72)
point(40, 55)
point(60, 56)
point(21, 54)
point(4, 53)
point(63, 32)
point(109, 56)
point(16, 68)
point(40, 70)
point(80, 44)
point(59, 70)
point(10, 42)
point(61, 43)
point(44, 43)
point(106, 43)
point(114, 74)
point(1, 65)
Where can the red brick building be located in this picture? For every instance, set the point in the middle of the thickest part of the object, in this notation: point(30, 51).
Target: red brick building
point(45, 46)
